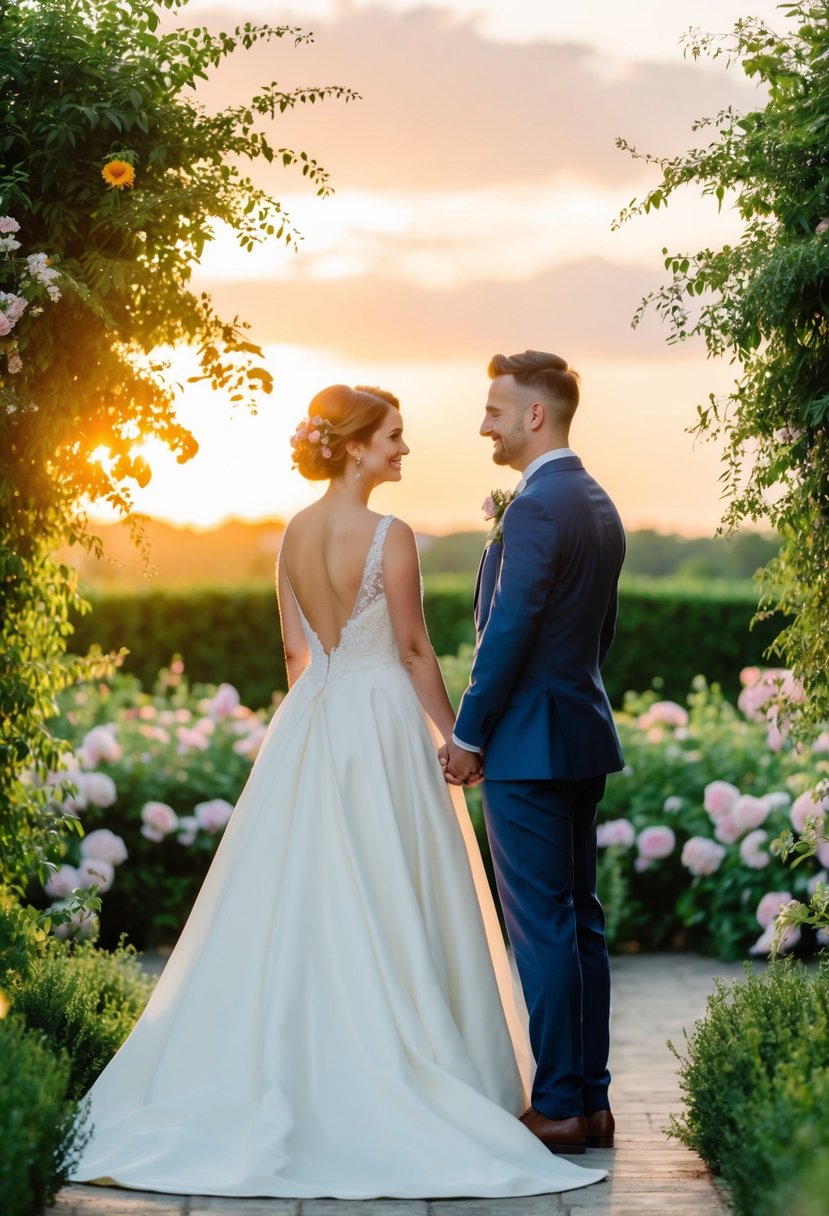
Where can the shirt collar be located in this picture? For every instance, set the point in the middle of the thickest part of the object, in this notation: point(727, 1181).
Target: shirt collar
point(544, 458)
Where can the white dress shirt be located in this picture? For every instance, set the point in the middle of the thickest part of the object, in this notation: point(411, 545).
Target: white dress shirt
point(532, 467)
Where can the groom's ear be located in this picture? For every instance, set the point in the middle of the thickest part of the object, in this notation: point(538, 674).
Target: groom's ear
point(538, 414)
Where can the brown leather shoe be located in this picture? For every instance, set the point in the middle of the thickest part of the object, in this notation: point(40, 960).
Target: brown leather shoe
point(558, 1135)
point(600, 1129)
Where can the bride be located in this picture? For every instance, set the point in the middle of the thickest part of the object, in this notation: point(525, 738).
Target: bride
point(337, 1017)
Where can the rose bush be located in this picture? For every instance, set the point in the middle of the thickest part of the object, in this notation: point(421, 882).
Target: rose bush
point(686, 829)
point(172, 763)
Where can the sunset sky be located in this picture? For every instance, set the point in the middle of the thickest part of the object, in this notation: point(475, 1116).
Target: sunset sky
point(476, 182)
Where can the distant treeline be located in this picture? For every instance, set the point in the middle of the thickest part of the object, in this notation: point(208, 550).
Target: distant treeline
point(650, 553)
point(240, 553)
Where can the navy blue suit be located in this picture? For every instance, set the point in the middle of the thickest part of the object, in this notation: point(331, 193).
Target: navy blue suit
point(545, 613)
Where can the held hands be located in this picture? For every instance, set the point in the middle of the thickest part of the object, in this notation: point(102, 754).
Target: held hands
point(460, 767)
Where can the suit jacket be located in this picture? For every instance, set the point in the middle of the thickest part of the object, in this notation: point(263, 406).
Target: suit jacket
point(545, 614)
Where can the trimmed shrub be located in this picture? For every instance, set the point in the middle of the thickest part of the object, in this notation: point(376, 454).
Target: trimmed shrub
point(667, 632)
point(755, 1080)
point(84, 1002)
point(41, 1134)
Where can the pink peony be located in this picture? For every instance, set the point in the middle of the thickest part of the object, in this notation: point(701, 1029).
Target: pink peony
point(249, 745)
point(656, 843)
point(749, 676)
point(754, 855)
point(62, 883)
point(726, 829)
point(224, 703)
point(702, 856)
point(212, 816)
point(807, 806)
point(763, 944)
point(748, 813)
point(100, 744)
point(770, 905)
point(719, 797)
point(812, 884)
point(8, 224)
point(821, 743)
point(615, 832)
point(104, 845)
point(823, 853)
point(664, 713)
point(188, 827)
point(158, 818)
point(93, 871)
point(98, 788)
point(190, 740)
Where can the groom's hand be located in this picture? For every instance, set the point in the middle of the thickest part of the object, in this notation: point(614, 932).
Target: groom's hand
point(460, 767)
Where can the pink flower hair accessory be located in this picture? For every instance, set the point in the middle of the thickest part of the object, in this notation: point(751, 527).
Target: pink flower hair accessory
point(312, 432)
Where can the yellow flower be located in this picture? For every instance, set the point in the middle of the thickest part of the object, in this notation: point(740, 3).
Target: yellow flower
point(118, 173)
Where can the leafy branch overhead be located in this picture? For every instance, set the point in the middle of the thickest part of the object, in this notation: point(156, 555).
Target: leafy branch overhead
point(763, 302)
point(113, 179)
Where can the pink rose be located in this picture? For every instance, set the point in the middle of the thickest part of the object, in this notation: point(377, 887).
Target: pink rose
point(7, 224)
point(821, 743)
point(823, 852)
point(98, 788)
point(100, 744)
point(5, 325)
point(615, 832)
point(188, 827)
point(314, 437)
point(190, 740)
point(770, 905)
point(763, 944)
point(212, 816)
point(158, 818)
point(249, 745)
point(719, 797)
point(812, 884)
point(656, 843)
point(488, 507)
point(702, 856)
point(749, 676)
point(224, 703)
point(664, 713)
point(62, 883)
point(807, 806)
point(748, 813)
point(93, 871)
point(104, 845)
point(753, 853)
point(726, 828)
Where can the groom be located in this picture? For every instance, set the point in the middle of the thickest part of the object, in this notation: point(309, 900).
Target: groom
point(537, 711)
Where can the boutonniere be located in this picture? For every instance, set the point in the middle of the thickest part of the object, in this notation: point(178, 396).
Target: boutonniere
point(494, 508)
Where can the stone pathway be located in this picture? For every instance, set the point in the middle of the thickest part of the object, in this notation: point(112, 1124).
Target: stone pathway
point(654, 997)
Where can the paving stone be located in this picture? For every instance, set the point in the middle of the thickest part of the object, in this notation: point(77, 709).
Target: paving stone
point(208, 1205)
point(364, 1207)
point(655, 996)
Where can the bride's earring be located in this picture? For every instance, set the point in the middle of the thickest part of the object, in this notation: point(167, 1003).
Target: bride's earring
point(359, 474)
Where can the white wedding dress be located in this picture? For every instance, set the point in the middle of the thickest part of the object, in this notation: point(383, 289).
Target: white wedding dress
point(337, 1017)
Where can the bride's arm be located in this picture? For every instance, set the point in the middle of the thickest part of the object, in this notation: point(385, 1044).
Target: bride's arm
point(297, 655)
point(401, 579)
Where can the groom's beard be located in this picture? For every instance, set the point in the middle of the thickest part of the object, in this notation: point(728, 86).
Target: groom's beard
point(507, 447)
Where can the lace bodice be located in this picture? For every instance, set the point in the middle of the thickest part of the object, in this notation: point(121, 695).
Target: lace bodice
point(367, 638)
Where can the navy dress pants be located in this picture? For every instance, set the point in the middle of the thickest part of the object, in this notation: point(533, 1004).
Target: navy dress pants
point(543, 840)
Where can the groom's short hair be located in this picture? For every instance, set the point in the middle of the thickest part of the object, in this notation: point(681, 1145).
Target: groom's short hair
point(539, 369)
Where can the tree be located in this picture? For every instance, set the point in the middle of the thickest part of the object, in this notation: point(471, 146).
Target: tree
point(764, 302)
point(112, 179)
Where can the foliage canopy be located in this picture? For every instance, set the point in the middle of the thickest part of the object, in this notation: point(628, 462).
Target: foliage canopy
point(764, 303)
point(113, 178)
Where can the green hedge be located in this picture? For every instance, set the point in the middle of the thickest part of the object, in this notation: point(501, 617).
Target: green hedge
point(665, 632)
point(755, 1080)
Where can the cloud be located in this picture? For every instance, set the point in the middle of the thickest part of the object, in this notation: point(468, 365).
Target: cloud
point(443, 107)
point(581, 310)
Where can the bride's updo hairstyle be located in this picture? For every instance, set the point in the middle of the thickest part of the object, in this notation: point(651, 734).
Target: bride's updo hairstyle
point(335, 416)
